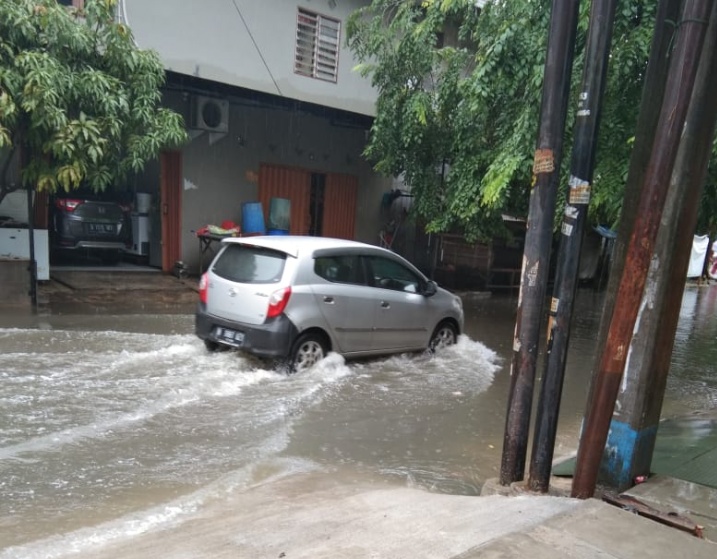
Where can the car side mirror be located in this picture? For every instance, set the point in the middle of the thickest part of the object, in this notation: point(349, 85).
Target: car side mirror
point(430, 289)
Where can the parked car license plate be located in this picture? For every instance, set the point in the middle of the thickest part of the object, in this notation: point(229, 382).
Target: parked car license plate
point(228, 335)
point(101, 227)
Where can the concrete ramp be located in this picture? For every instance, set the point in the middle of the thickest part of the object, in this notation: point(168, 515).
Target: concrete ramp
point(301, 517)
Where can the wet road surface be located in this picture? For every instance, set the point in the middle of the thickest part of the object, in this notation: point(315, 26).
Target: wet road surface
point(116, 425)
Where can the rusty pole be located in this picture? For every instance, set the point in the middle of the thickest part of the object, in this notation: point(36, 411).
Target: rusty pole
point(683, 69)
point(536, 255)
point(587, 117)
point(633, 427)
point(668, 11)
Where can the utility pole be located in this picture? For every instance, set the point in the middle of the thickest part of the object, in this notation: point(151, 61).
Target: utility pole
point(683, 69)
point(587, 119)
point(668, 11)
point(536, 255)
point(634, 424)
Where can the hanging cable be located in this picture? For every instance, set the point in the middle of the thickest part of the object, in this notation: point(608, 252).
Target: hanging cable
point(258, 50)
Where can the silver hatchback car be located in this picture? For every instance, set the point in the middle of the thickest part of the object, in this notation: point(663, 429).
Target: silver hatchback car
point(294, 299)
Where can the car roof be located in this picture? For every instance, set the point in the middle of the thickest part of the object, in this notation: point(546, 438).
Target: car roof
point(293, 245)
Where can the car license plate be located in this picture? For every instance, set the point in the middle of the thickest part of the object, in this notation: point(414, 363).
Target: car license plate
point(101, 227)
point(228, 335)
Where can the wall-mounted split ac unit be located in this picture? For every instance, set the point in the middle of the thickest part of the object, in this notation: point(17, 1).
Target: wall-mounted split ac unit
point(210, 114)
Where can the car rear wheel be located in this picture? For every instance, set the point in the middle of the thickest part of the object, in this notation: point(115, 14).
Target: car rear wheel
point(308, 350)
point(444, 335)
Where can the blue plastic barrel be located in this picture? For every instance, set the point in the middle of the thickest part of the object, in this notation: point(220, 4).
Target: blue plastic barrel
point(277, 232)
point(252, 219)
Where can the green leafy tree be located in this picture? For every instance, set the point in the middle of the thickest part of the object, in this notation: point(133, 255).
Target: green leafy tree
point(707, 218)
point(459, 91)
point(78, 99)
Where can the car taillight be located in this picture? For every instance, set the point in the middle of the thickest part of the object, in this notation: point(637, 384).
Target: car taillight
point(67, 204)
point(278, 301)
point(203, 288)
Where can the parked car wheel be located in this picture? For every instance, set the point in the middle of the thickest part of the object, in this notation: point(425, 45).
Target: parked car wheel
point(443, 336)
point(308, 350)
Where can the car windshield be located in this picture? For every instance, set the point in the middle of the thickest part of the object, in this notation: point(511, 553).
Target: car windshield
point(247, 264)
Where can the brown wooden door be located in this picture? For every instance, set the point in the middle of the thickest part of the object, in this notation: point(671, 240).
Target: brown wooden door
point(339, 219)
point(291, 183)
point(170, 184)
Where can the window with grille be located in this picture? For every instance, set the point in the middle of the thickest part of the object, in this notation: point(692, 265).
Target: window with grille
point(317, 46)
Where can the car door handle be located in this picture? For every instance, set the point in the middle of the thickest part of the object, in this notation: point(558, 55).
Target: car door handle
point(385, 304)
point(328, 299)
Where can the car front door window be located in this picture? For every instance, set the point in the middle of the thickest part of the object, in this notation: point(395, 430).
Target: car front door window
point(389, 274)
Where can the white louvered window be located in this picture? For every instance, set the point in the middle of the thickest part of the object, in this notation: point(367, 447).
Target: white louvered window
point(317, 46)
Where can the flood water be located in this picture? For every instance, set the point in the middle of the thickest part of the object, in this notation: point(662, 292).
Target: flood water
point(111, 426)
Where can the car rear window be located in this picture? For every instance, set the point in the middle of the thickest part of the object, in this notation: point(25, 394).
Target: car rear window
point(246, 264)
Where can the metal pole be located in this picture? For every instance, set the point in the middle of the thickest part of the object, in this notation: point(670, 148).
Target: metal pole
point(668, 12)
point(691, 170)
point(634, 426)
point(587, 117)
point(536, 255)
point(683, 69)
point(32, 267)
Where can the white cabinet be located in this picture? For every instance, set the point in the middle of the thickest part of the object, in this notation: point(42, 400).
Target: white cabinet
point(15, 244)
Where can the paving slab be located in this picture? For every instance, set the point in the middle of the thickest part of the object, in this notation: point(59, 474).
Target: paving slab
point(671, 495)
point(116, 291)
point(596, 530)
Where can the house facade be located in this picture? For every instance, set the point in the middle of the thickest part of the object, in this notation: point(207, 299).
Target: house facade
point(273, 110)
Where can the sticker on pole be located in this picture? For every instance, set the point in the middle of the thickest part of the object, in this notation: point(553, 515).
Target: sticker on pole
point(543, 161)
point(579, 191)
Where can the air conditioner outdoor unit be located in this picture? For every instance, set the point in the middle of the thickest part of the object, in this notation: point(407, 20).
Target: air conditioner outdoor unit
point(211, 114)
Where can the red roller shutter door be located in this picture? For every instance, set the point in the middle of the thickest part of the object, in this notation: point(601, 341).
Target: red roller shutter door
point(291, 183)
point(339, 217)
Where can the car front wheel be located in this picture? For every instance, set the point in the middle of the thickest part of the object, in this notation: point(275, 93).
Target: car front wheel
point(308, 350)
point(444, 335)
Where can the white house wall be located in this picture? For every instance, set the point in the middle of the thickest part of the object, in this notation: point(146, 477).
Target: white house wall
point(220, 172)
point(248, 43)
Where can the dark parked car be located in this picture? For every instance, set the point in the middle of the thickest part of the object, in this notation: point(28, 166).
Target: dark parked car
point(89, 225)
